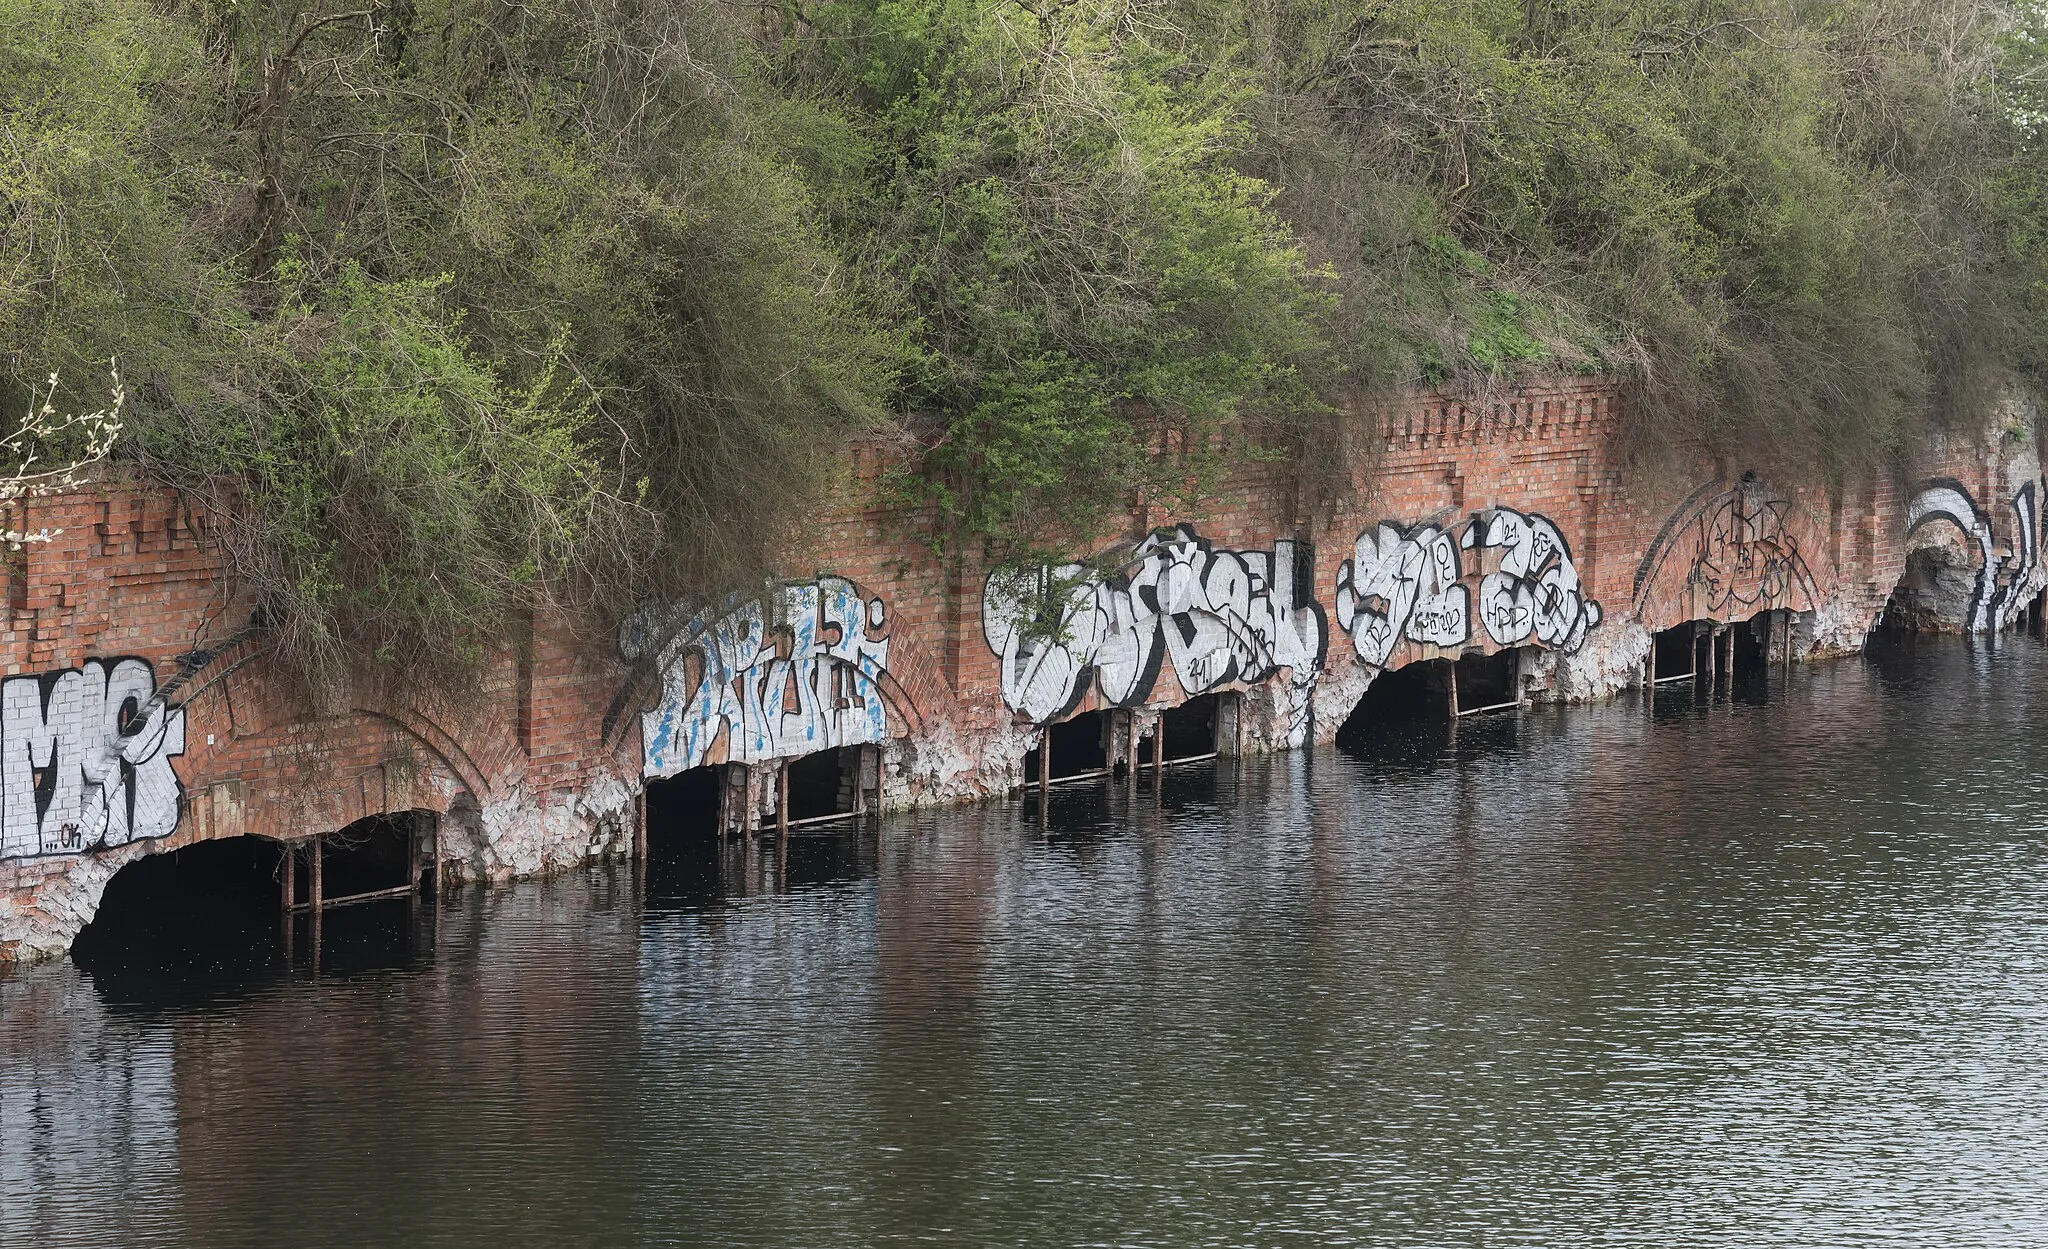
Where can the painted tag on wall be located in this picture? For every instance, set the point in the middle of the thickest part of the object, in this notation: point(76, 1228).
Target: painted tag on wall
point(85, 759)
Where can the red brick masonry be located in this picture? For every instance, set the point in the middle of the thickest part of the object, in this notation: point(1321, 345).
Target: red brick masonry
point(140, 713)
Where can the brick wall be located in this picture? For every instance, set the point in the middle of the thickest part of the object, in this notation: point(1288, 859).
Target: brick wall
point(141, 714)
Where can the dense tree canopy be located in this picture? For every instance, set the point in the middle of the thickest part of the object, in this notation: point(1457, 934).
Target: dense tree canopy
point(463, 307)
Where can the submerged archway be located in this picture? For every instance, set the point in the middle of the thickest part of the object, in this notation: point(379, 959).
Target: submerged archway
point(210, 905)
point(1403, 707)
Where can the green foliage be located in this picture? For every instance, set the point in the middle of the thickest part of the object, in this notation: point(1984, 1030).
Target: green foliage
point(466, 307)
point(458, 307)
point(1099, 296)
point(97, 252)
point(393, 488)
point(1768, 215)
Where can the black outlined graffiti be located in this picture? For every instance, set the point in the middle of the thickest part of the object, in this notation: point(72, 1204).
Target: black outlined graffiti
point(1536, 591)
point(85, 759)
point(1217, 616)
point(2006, 580)
point(1739, 550)
point(1409, 584)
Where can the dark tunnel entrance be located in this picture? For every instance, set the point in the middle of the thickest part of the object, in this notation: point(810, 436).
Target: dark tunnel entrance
point(373, 857)
point(211, 906)
point(1675, 653)
point(1488, 682)
point(203, 918)
point(1403, 709)
point(824, 785)
point(1079, 748)
point(1189, 730)
point(685, 807)
point(1752, 647)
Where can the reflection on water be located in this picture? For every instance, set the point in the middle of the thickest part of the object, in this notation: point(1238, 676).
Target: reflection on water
point(1761, 970)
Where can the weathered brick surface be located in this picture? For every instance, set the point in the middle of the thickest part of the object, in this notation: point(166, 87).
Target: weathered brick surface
point(538, 766)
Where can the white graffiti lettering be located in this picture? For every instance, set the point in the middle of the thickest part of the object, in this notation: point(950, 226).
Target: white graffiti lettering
point(1536, 591)
point(1217, 616)
point(754, 684)
point(85, 759)
point(1409, 584)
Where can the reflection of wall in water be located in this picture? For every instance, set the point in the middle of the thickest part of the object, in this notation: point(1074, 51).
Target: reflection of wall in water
point(88, 1115)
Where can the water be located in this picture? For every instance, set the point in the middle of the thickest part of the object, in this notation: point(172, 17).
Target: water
point(1748, 973)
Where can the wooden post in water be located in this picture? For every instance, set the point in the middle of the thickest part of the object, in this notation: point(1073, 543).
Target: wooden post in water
point(1788, 646)
point(287, 887)
point(313, 901)
point(1131, 751)
point(1044, 760)
point(1452, 732)
point(639, 825)
point(782, 826)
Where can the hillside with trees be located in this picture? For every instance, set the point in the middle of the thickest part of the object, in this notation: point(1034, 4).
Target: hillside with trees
point(464, 307)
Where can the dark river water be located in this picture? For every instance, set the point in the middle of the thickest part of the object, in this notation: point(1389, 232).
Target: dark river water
point(1770, 970)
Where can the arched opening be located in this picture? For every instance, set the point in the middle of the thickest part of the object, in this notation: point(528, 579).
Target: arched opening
point(1488, 682)
point(1935, 591)
point(1189, 730)
point(684, 807)
point(207, 907)
point(1404, 708)
point(1676, 655)
point(378, 856)
point(1080, 748)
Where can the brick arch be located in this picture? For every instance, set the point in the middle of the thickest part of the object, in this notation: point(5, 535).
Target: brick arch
point(287, 776)
point(1730, 551)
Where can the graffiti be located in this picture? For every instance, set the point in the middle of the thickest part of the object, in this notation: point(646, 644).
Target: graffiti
point(2005, 580)
point(1535, 593)
point(85, 759)
point(1739, 550)
point(801, 670)
point(1402, 583)
point(1217, 616)
point(1410, 584)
